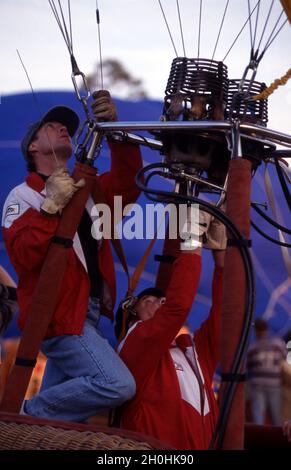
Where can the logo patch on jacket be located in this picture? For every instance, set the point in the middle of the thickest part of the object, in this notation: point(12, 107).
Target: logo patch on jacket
point(13, 209)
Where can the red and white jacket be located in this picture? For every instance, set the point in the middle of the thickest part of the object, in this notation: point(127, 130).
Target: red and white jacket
point(167, 404)
point(28, 233)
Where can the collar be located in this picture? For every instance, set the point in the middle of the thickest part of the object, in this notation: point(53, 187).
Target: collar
point(43, 177)
point(183, 341)
point(35, 181)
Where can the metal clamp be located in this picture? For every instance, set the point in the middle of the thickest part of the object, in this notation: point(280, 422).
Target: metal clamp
point(88, 148)
point(82, 97)
point(236, 148)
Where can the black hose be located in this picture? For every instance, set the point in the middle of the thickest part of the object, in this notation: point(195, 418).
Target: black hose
point(271, 221)
point(273, 240)
point(283, 183)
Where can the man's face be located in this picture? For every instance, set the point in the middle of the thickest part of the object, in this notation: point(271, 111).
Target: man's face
point(52, 137)
point(147, 306)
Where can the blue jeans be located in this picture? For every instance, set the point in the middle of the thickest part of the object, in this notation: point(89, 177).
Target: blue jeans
point(83, 375)
point(265, 398)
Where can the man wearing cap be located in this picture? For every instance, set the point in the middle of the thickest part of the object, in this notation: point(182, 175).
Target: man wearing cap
point(174, 400)
point(83, 373)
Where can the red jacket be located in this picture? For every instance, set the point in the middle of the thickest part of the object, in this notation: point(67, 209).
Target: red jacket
point(27, 235)
point(167, 403)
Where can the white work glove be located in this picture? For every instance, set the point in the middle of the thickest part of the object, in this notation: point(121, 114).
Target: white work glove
point(60, 188)
point(194, 231)
point(216, 236)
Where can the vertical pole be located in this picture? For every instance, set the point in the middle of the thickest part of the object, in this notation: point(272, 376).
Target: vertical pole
point(233, 306)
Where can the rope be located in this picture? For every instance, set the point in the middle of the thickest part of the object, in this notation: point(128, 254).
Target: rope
point(168, 28)
point(37, 106)
point(276, 83)
point(199, 30)
point(181, 28)
point(221, 25)
point(241, 30)
point(265, 25)
point(256, 24)
point(272, 36)
point(99, 44)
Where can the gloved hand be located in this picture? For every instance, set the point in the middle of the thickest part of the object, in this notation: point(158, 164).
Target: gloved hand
point(103, 106)
point(205, 221)
point(216, 236)
point(60, 188)
point(193, 233)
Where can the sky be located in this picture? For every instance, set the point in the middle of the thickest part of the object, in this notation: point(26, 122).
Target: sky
point(134, 32)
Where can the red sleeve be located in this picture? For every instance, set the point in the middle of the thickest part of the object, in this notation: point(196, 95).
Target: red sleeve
point(126, 161)
point(149, 340)
point(28, 238)
point(207, 337)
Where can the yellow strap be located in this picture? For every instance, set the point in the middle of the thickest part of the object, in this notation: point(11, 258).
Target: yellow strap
point(132, 284)
point(286, 4)
point(276, 83)
point(140, 267)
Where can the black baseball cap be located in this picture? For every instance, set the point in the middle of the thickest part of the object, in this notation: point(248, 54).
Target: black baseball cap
point(62, 114)
point(154, 291)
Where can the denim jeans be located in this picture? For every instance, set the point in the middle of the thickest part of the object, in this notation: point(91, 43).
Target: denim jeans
point(266, 398)
point(83, 375)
